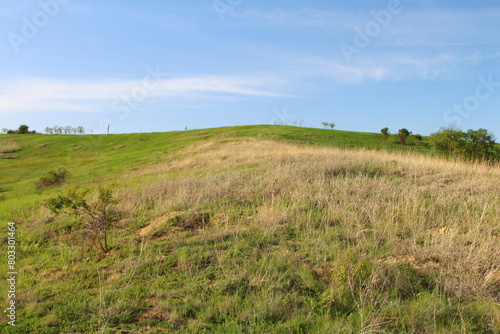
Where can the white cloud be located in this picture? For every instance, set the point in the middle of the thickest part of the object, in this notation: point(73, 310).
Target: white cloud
point(68, 95)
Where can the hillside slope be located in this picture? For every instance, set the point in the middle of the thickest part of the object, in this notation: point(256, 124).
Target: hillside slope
point(26, 158)
point(256, 230)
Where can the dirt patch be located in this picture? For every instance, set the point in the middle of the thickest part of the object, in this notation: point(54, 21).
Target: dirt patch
point(195, 220)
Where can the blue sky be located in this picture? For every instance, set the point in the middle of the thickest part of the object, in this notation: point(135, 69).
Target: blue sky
point(165, 65)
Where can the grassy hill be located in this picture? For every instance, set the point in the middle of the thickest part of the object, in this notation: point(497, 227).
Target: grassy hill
point(255, 229)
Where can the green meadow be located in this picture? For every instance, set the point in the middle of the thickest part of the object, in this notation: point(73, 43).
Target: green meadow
point(252, 229)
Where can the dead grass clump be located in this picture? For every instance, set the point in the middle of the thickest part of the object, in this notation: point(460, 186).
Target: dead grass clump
point(42, 146)
point(270, 216)
point(175, 222)
point(157, 223)
point(9, 146)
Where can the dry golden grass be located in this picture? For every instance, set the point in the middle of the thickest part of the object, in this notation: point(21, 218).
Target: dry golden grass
point(9, 146)
point(436, 215)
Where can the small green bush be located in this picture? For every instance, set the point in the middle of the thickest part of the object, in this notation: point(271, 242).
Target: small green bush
point(52, 179)
point(101, 213)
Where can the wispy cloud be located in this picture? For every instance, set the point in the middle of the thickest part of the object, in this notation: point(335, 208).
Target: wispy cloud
point(309, 17)
point(446, 27)
point(67, 95)
point(386, 66)
point(416, 27)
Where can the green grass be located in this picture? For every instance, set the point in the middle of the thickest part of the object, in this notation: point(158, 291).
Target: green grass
point(255, 229)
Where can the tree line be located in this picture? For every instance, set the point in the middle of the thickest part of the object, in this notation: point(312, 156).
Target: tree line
point(22, 130)
point(67, 130)
point(55, 130)
point(470, 145)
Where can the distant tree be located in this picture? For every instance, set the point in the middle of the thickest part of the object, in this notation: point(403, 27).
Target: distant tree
point(385, 133)
point(325, 124)
point(417, 139)
point(402, 135)
point(332, 125)
point(80, 130)
point(68, 130)
point(5, 130)
point(23, 129)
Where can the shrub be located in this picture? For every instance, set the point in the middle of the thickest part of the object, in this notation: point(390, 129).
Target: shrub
point(417, 139)
point(385, 133)
point(53, 178)
point(402, 135)
point(100, 214)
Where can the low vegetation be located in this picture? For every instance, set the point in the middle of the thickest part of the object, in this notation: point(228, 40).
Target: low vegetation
point(99, 215)
point(254, 230)
point(53, 178)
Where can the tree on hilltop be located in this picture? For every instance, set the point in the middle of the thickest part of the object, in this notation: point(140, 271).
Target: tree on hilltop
point(385, 133)
point(23, 129)
point(402, 135)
